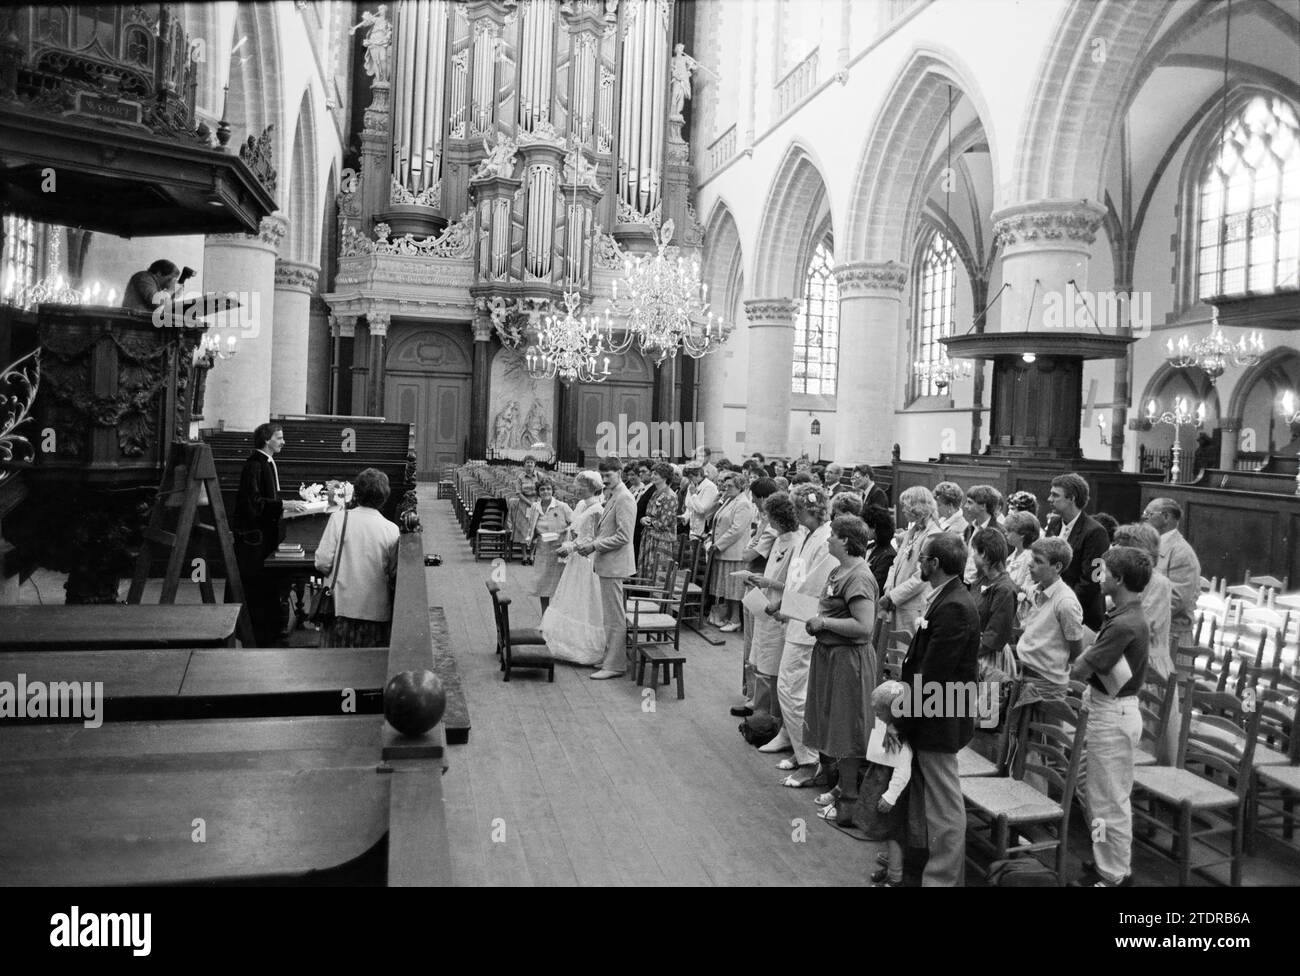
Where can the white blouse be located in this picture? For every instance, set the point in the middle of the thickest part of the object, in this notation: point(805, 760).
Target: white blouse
point(368, 562)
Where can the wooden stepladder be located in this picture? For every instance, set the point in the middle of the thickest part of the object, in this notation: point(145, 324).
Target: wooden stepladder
point(190, 482)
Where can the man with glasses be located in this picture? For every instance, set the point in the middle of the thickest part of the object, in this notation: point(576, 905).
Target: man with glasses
point(944, 649)
point(1178, 562)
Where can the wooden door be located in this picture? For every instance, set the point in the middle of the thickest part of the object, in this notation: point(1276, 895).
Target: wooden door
point(439, 408)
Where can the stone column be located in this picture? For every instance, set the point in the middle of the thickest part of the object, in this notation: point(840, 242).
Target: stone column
point(711, 375)
point(1230, 443)
point(343, 329)
point(478, 397)
point(239, 388)
point(871, 321)
point(377, 323)
point(319, 342)
point(771, 363)
point(295, 283)
point(1045, 244)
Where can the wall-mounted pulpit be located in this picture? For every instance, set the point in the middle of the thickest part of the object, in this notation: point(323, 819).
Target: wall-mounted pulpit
point(1037, 387)
point(1035, 421)
point(115, 392)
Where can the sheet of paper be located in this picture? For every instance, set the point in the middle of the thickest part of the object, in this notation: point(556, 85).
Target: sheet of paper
point(1119, 676)
point(739, 572)
point(550, 536)
point(755, 602)
point(799, 605)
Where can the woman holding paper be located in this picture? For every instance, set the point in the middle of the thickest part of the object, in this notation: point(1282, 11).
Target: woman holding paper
point(842, 673)
point(550, 518)
point(769, 634)
point(905, 592)
point(809, 568)
point(730, 537)
point(521, 508)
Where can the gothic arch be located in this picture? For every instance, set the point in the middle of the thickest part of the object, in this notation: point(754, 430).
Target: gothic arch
point(301, 197)
point(888, 192)
point(789, 221)
point(1271, 364)
point(255, 97)
point(723, 260)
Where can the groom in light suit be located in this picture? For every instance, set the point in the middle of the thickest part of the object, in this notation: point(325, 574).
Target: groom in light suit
point(613, 562)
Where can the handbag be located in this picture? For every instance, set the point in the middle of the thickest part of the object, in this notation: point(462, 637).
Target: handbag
point(322, 604)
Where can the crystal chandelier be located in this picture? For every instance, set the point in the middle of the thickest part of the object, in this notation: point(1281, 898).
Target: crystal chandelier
point(1214, 353)
point(942, 371)
point(571, 347)
point(666, 305)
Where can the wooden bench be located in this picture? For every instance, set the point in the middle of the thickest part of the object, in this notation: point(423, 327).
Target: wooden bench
point(85, 627)
point(657, 656)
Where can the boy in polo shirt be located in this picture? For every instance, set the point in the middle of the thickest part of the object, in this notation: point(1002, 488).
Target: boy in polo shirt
point(1053, 618)
point(1115, 667)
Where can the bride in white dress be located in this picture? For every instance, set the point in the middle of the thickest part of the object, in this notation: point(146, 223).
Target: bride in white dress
point(572, 625)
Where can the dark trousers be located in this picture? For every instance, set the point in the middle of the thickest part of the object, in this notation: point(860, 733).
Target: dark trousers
point(260, 595)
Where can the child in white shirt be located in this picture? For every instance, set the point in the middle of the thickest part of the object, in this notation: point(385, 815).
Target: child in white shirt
point(884, 785)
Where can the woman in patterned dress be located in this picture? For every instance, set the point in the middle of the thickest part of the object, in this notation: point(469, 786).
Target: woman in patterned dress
point(730, 537)
point(659, 527)
point(551, 518)
point(521, 506)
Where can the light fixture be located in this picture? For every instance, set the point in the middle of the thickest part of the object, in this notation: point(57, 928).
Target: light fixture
point(1029, 357)
point(815, 428)
point(1102, 424)
point(1178, 418)
point(570, 347)
point(1291, 414)
point(665, 303)
point(1214, 353)
point(209, 350)
point(942, 371)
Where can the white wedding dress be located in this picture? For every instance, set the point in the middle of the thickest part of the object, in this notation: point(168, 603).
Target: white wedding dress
point(573, 625)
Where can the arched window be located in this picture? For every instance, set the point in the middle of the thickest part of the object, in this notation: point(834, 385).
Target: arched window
point(21, 257)
point(817, 326)
point(1249, 237)
point(936, 308)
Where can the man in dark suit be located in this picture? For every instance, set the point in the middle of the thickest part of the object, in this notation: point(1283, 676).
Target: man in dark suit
point(864, 483)
point(944, 656)
point(1088, 540)
point(258, 509)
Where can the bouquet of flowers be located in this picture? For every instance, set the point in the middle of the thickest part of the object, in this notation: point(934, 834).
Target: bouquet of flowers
point(338, 492)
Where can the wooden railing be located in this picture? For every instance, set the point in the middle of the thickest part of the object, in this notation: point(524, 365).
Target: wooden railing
point(798, 83)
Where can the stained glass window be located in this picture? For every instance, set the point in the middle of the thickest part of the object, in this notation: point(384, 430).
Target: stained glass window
point(817, 326)
point(1249, 240)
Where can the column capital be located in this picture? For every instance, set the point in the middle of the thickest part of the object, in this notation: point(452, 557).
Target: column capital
point(1069, 224)
point(870, 278)
point(296, 276)
point(482, 324)
point(270, 235)
point(378, 322)
point(344, 327)
point(770, 311)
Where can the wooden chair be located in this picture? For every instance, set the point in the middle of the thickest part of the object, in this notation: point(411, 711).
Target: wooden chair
point(654, 624)
point(972, 763)
point(492, 537)
point(690, 557)
point(1206, 793)
point(512, 643)
point(1155, 704)
point(1050, 744)
point(1277, 785)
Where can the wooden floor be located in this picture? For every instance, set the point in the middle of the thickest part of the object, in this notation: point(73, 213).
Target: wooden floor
point(581, 782)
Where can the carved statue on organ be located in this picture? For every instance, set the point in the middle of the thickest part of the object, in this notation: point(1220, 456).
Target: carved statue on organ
point(500, 160)
point(379, 37)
